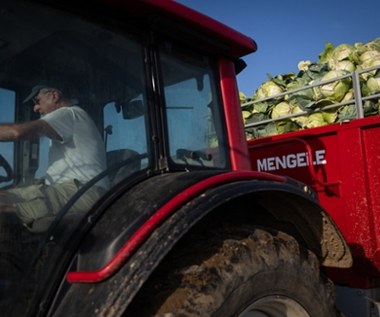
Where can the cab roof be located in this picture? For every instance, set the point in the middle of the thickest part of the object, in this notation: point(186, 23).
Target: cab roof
point(240, 43)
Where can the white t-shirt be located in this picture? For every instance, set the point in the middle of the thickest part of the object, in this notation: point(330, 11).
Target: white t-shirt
point(81, 154)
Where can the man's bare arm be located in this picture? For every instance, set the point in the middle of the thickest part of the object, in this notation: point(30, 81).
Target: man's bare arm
point(27, 131)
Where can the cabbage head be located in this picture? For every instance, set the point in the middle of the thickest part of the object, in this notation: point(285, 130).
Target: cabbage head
point(335, 90)
point(246, 114)
point(280, 110)
point(286, 126)
point(301, 120)
point(368, 59)
point(345, 65)
point(330, 116)
point(368, 56)
point(342, 52)
point(372, 45)
point(319, 119)
point(261, 107)
point(263, 131)
point(317, 94)
point(373, 85)
point(242, 97)
point(349, 95)
point(267, 89)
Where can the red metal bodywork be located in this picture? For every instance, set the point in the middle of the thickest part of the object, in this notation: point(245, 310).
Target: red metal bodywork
point(235, 128)
point(237, 43)
point(163, 213)
point(346, 175)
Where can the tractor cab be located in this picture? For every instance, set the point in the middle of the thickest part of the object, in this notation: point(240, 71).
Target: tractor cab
point(155, 103)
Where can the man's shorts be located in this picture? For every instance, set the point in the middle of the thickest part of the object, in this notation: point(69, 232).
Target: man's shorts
point(38, 201)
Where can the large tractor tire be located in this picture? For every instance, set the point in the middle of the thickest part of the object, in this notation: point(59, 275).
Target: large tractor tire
point(238, 271)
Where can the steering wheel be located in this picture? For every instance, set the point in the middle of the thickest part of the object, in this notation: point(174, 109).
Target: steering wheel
point(8, 170)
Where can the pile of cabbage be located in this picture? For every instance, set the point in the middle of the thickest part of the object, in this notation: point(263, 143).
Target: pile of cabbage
point(319, 105)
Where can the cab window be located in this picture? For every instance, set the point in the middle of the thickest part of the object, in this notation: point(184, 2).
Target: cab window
point(194, 122)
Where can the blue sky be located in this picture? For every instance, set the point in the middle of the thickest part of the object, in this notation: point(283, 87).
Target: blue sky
point(287, 32)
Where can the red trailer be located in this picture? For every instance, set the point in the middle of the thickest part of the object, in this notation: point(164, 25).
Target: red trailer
point(341, 162)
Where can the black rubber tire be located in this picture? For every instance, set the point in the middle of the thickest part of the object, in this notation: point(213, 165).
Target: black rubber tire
point(224, 271)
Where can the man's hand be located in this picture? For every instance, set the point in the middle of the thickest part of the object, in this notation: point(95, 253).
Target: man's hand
point(27, 131)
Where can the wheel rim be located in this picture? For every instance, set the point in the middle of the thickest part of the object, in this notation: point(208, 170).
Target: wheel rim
point(275, 306)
